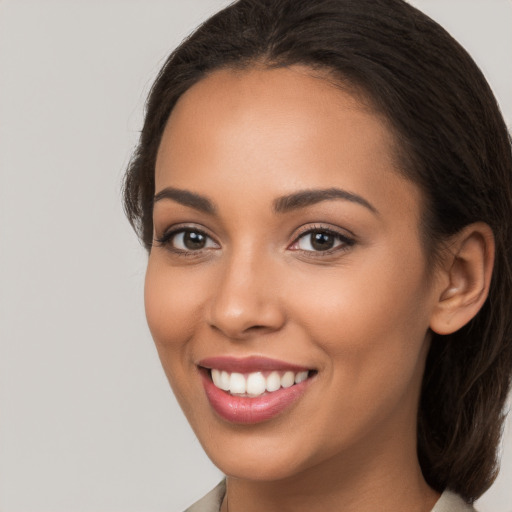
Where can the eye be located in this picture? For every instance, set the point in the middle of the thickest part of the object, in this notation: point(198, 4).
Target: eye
point(321, 240)
point(187, 240)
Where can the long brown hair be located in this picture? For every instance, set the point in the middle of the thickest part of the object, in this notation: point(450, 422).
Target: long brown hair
point(453, 144)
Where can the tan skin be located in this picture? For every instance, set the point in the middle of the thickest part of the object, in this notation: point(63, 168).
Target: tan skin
point(359, 312)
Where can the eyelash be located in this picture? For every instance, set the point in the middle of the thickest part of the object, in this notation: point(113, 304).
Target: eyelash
point(166, 240)
point(345, 241)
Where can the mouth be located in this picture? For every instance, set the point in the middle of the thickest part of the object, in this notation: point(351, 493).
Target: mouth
point(254, 389)
point(255, 384)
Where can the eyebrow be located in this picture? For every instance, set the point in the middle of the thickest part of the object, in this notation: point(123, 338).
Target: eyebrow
point(186, 198)
point(284, 204)
point(305, 198)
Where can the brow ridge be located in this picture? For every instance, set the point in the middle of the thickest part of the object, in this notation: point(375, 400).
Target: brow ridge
point(284, 204)
point(186, 198)
point(309, 197)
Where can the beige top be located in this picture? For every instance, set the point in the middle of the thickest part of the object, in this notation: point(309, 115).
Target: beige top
point(448, 502)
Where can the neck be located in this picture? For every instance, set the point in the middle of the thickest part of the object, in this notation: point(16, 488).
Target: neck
point(389, 480)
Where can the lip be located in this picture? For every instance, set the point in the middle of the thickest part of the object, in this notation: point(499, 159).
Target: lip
point(249, 364)
point(250, 410)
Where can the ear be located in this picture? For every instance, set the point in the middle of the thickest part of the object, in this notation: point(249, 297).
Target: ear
point(465, 278)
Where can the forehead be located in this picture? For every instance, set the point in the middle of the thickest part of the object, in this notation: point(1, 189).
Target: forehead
point(282, 129)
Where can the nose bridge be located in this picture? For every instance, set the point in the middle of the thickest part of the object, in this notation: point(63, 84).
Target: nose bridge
point(245, 299)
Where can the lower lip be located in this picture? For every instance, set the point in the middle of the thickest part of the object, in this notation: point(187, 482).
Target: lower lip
point(247, 410)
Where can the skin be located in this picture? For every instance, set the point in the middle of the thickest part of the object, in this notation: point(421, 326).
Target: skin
point(359, 314)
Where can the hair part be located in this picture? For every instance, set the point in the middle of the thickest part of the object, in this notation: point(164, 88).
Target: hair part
point(452, 143)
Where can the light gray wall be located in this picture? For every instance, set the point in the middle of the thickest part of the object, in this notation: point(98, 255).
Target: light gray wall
point(87, 422)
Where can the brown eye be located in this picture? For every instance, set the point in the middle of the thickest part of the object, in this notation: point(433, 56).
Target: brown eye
point(321, 240)
point(193, 240)
point(188, 240)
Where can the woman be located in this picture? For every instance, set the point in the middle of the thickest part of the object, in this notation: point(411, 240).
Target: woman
point(324, 189)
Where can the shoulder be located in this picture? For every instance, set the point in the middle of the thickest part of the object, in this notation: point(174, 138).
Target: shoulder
point(211, 502)
point(451, 502)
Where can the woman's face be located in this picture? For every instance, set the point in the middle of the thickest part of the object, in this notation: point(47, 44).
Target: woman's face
point(288, 248)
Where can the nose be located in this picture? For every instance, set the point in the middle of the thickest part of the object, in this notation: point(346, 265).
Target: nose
point(246, 300)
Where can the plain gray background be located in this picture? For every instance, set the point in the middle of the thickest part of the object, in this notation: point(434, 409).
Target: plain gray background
point(87, 421)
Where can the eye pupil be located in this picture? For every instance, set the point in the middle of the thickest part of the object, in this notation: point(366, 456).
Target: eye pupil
point(322, 241)
point(193, 240)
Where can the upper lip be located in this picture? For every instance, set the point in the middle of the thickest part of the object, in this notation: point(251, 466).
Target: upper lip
point(249, 364)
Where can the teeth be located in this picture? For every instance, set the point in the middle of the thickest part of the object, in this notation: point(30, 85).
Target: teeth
point(216, 378)
point(237, 384)
point(221, 379)
point(288, 379)
point(255, 384)
point(273, 382)
point(301, 376)
point(224, 381)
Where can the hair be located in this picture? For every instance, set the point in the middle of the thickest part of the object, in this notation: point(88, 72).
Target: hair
point(453, 144)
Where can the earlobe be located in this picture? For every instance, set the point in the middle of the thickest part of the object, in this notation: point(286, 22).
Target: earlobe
point(467, 272)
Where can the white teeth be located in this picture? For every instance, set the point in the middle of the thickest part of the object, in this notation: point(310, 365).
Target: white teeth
point(255, 384)
point(273, 382)
point(300, 377)
point(288, 379)
point(224, 381)
point(237, 384)
point(220, 379)
point(216, 377)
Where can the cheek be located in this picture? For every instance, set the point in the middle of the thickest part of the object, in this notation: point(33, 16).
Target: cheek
point(374, 340)
point(173, 304)
point(370, 318)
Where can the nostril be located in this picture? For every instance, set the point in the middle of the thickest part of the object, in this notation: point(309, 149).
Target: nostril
point(243, 332)
point(240, 308)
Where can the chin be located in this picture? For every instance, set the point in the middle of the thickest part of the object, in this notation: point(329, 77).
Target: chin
point(263, 469)
point(268, 455)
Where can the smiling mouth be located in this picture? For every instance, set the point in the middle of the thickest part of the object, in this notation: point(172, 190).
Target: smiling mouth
point(256, 384)
point(253, 389)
